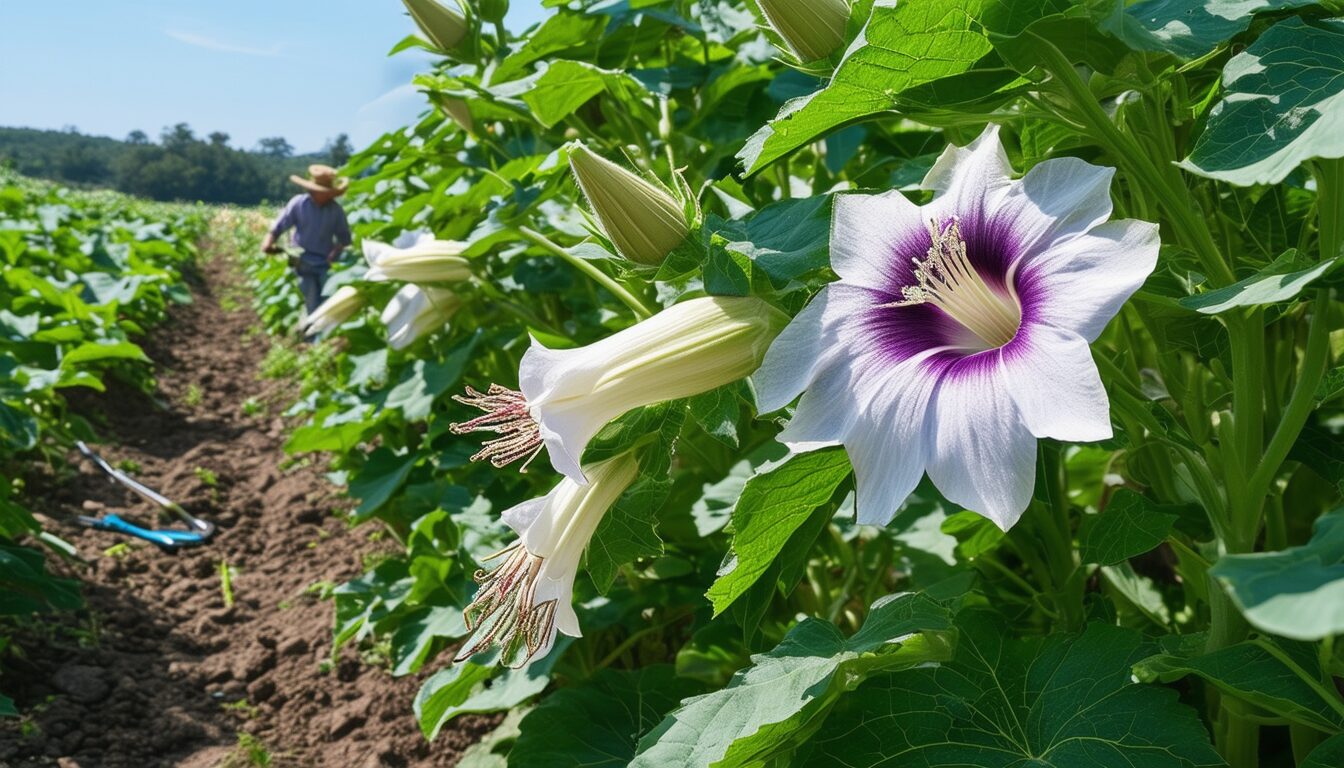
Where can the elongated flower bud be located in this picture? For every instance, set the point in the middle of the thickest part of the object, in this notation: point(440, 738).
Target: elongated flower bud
point(529, 594)
point(426, 261)
point(814, 29)
point(644, 222)
point(342, 306)
point(569, 394)
point(446, 27)
point(415, 311)
point(457, 110)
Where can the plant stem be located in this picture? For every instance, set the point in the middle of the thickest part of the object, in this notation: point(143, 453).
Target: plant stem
point(641, 310)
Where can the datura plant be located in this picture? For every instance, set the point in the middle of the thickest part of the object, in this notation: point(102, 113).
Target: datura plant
point(897, 383)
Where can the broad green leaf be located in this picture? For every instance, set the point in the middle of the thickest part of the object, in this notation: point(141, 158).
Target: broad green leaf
point(1329, 754)
point(785, 240)
point(1322, 450)
point(774, 503)
point(1129, 526)
point(415, 640)
point(903, 45)
point(466, 687)
point(1297, 593)
point(7, 708)
point(784, 696)
point(1281, 682)
point(1065, 701)
point(381, 476)
point(1187, 28)
point(563, 31)
point(564, 86)
point(597, 724)
point(1283, 105)
point(627, 532)
point(493, 749)
point(95, 351)
point(425, 380)
point(1282, 280)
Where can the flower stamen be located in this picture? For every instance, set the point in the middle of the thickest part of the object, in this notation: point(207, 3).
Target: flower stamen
point(507, 415)
point(503, 611)
point(948, 280)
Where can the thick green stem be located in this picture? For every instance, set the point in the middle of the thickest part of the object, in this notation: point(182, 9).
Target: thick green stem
point(641, 310)
point(1241, 742)
point(1170, 192)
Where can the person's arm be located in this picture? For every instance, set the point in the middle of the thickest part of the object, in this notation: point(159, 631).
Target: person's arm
point(342, 238)
point(282, 224)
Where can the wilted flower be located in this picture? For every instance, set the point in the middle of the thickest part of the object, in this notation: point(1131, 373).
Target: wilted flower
point(525, 599)
point(445, 26)
point(569, 394)
point(417, 258)
point(814, 29)
point(645, 223)
point(341, 306)
point(416, 310)
point(958, 332)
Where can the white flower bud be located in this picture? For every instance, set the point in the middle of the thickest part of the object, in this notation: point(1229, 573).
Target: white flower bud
point(814, 29)
point(645, 223)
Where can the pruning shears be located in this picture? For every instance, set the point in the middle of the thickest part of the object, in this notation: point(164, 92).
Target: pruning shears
point(166, 538)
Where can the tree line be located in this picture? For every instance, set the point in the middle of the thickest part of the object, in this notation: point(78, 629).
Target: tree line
point(179, 166)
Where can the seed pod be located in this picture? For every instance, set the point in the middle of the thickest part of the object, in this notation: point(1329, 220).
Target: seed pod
point(445, 27)
point(645, 223)
point(814, 29)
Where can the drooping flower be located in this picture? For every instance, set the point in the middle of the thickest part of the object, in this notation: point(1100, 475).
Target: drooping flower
point(417, 257)
point(416, 310)
point(341, 306)
point(528, 596)
point(569, 394)
point(958, 333)
point(446, 26)
point(814, 29)
point(645, 223)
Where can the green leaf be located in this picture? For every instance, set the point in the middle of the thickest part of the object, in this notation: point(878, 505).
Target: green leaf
point(785, 240)
point(417, 638)
point(1187, 28)
point(381, 476)
point(425, 380)
point(1283, 104)
point(774, 503)
point(1282, 280)
point(1323, 451)
point(564, 86)
point(1297, 593)
point(7, 708)
point(628, 531)
point(906, 45)
point(1129, 526)
point(784, 696)
point(106, 349)
point(1059, 702)
point(598, 723)
point(1280, 682)
point(462, 688)
point(1328, 754)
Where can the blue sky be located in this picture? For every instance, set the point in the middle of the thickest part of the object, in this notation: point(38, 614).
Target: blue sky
point(303, 69)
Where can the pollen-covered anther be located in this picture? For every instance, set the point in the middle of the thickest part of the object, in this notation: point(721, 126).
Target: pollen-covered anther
point(507, 415)
point(948, 280)
point(503, 610)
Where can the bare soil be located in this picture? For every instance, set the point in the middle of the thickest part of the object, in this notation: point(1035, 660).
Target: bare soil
point(157, 670)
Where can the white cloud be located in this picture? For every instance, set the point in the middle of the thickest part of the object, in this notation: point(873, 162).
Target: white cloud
point(209, 43)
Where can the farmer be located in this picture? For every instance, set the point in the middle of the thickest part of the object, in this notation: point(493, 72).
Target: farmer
point(320, 229)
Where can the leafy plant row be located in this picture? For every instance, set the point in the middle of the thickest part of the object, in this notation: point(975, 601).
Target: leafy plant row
point(84, 275)
point(1124, 551)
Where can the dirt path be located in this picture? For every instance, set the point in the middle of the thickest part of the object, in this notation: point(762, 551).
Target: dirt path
point(158, 671)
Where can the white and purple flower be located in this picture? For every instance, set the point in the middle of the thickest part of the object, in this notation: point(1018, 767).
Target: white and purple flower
point(958, 332)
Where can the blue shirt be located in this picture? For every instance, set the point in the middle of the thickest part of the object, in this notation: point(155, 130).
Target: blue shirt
point(317, 228)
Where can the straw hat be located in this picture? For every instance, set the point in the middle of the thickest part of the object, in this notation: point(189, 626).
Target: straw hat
point(322, 179)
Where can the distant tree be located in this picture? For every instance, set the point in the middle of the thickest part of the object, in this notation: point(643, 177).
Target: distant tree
point(79, 163)
point(275, 146)
point(177, 137)
point(137, 137)
point(219, 139)
point(70, 128)
point(339, 150)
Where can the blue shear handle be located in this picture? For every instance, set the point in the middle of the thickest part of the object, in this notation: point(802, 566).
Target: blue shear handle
point(165, 539)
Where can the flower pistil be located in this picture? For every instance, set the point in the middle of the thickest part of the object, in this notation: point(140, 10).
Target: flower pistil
point(507, 415)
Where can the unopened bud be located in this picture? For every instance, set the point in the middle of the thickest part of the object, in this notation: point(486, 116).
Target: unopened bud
point(445, 26)
point(457, 110)
point(342, 306)
point(426, 260)
point(814, 29)
point(645, 223)
point(493, 11)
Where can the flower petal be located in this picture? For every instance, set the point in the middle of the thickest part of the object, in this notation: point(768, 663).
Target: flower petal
point(1051, 376)
point(1081, 283)
point(969, 180)
point(1057, 199)
point(980, 453)
point(802, 349)
point(875, 237)
point(886, 446)
point(522, 517)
